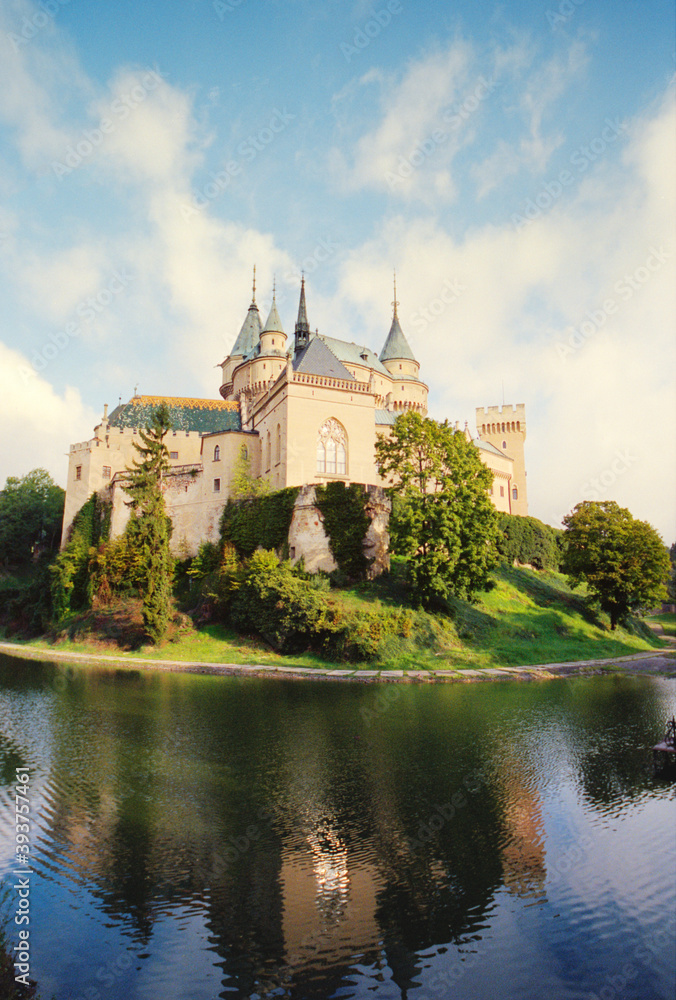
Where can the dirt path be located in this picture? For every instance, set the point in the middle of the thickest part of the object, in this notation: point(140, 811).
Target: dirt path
point(657, 663)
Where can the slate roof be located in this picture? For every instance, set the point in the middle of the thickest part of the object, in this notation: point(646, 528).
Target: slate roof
point(351, 354)
point(487, 446)
point(318, 359)
point(273, 323)
point(203, 415)
point(385, 417)
point(396, 345)
point(247, 338)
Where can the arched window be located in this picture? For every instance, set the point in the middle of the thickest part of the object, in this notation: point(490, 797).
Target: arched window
point(515, 494)
point(268, 451)
point(332, 448)
point(217, 454)
point(504, 444)
point(278, 444)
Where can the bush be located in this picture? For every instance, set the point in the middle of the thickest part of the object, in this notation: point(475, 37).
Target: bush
point(527, 540)
point(258, 522)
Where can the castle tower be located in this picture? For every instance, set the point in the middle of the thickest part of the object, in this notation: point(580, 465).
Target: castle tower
point(302, 331)
point(505, 428)
point(246, 342)
point(272, 337)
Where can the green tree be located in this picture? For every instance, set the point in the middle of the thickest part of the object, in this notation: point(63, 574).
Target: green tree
point(149, 527)
point(243, 485)
point(623, 561)
point(443, 520)
point(31, 515)
point(671, 585)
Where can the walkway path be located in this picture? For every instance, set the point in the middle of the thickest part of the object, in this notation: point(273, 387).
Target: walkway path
point(656, 663)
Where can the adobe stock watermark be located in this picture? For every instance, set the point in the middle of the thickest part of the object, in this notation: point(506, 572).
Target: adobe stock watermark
point(247, 152)
point(88, 310)
point(563, 13)
point(32, 25)
point(92, 139)
point(323, 251)
point(451, 291)
point(581, 159)
point(643, 956)
point(225, 7)
point(371, 29)
point(454, 116)
point(626, 288)
point(596, 489)
point(444, 813)
point(107, 975)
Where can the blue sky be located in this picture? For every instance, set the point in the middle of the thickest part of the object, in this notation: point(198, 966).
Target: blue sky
point(515, 162)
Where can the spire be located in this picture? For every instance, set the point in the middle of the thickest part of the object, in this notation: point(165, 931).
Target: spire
point(396, 345)
point(302, 331)
point(247, 338)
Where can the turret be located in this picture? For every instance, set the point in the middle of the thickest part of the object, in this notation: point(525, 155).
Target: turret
point(246, 342)
point(505, 428)
point(396, 355)
point(272, 337)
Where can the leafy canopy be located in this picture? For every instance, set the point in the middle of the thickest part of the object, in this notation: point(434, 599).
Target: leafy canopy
point(149, 527)
point(31, 514)
point(623, 561)
point(443, 521)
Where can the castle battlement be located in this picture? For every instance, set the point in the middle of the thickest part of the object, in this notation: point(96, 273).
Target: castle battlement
point(506, 410)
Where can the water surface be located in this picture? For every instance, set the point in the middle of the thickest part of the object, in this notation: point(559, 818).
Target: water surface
point(210, 837)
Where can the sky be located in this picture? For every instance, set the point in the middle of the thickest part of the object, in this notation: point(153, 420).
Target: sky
point(514, 162)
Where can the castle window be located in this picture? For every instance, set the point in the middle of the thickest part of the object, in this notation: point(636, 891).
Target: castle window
point(332, 448)
point(268, 450)
point(502, 491)
point(217, 486)
point(245, 452)
point(78, 472)
point(217, 454)
point(173, 454)
point(278, 444)
point(515, 494)
point(504, 444)
point(106, 472)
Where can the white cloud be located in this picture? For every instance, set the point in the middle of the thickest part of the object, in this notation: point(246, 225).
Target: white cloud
point(37, 424)
point(520, 292)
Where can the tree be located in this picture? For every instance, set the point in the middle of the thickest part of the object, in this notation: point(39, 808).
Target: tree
point(671, 585)
point(31, 515)
point(623, 561)
point(443, 520)
point(243, 485)
point(149, 527)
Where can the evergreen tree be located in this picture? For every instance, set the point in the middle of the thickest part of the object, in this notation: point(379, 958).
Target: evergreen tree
point(624, 562)
point(443, 520)
point(149, 527)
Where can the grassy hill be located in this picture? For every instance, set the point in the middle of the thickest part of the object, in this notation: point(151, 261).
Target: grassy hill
point(528, 617)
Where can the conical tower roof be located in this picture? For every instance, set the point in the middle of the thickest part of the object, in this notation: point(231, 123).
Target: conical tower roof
point(396, 345)
point(247, 338)
point(302, 331)
point(273, 323)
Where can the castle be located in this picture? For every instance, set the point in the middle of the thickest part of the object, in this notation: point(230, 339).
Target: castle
point(300, 414)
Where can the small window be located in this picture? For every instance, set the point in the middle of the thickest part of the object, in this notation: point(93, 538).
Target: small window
point(515, 494)
point(245, 452)
point(106, 471)
point(173, 455)
point(502, 491)
point(78, 472)
point(399, 367)
point(504, 444)
point(217, 486)
point(217, 454)
point(273, 341)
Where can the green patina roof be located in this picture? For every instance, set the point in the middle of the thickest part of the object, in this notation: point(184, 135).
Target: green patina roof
point(386, 417)
point(247, 338)
point(396, 346)
point(352, 354)
point(202, 415)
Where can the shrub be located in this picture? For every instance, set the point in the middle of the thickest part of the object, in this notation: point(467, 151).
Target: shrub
point(527, 540)
point(258, 521)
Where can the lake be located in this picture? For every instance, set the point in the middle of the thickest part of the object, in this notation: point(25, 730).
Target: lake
point(201, 837)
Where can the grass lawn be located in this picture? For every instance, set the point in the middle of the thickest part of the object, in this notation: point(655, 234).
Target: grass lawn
point(528, 617)
point(666, 620)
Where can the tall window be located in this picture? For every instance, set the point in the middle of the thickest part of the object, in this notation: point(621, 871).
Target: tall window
point(332, 448)
point(217, 454)
point(278, 444)
point(515, 494)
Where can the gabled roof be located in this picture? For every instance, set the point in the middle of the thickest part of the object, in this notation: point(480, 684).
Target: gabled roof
point(318, 359)
point(396, 346)
point(247, 338)
point(203, 415)
point(352, 354)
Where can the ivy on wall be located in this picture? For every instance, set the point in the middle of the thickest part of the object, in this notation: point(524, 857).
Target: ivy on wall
point(258, 521)
point(346, 522)
point(71, 585)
